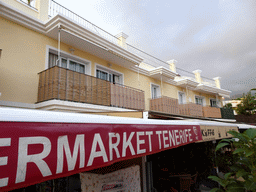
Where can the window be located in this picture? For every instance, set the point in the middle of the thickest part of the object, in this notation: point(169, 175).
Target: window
point(108, 75)
point(182, 98)
point(199, 100)
point(213, 103)
point(30, 3)
point(67, 63)
point(155, 91)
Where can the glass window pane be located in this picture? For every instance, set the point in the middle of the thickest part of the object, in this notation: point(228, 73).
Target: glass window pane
point(72, 65)
point(52, 59)
point(81, 68)
point(155, 90)
point(116, 79)
point(97, 73)
point(64, 63)
point(110, 77)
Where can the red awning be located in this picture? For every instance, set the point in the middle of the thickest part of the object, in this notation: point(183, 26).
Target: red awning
point(36, 146)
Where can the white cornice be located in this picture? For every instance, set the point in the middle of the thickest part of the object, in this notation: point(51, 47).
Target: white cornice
point(21, 18)
point(162, 71)
point(26, 20)
point(79, 30)
point(76, 107)
point(214, 90)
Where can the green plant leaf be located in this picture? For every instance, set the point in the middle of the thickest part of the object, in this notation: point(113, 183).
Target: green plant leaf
point(216, 190)
point(250, 185)
point(241, 173)
point(238, 151)
point(251, 133)
point(226, 140)
point(240, 136)
point(220, 145)
point(235, 187)
point(248, 153)
point(227, 175)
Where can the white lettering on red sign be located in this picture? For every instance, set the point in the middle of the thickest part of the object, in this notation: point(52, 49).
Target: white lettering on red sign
point(118, 144)
point(127, 143)
point(149, 133)
point(102, 153)
point(5, 142)
point(159, 138)
point(139, 142)
point(165, 139)
point(113, 145)
point(24, 158)
point(63, 145)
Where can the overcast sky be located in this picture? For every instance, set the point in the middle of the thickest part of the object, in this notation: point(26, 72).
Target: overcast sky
point(218, 37)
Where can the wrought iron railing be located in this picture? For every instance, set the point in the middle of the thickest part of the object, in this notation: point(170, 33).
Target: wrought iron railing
point(64, 84)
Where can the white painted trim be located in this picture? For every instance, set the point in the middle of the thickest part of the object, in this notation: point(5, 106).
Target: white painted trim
point(33, 115)
point(70, 56)
point(145, 114)
point(76, 107)
point(185, 97)
point(108, 70)
point(24, 19)
point(158, 90)
point(17, 104)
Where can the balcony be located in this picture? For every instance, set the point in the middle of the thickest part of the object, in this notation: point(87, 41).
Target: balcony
point(164, 104)
point(64, 84)
point(169, 105)
point(191, 109)
point(213, 112)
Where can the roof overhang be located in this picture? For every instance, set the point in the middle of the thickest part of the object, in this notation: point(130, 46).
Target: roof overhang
point(212, 90)
point(162, 72)
point(186, 82)
point(73, 34)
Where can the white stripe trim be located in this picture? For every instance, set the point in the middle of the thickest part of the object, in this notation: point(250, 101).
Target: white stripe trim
point(30, 115)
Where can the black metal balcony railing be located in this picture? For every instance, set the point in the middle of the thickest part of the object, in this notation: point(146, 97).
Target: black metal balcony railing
point(64, 84)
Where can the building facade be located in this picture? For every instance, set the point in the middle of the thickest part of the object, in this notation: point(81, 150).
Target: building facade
point(53, 59)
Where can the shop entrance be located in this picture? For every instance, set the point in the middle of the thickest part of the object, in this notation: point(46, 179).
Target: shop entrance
point(183, 168)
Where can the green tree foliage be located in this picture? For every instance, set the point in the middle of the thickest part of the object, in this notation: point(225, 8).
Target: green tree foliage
point(247, 105)
point(228, 105)
point(242, 174)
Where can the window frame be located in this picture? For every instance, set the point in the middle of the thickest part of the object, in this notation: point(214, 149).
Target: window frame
point(212, 99)
point(158, 90)
point(201, 97)
point(109, 72)
point(184, 97)
point(69, 57)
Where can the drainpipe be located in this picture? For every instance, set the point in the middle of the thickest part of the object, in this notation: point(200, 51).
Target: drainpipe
point(58, 61)
point(161, 85)
point(138, 75)
point(187, 94)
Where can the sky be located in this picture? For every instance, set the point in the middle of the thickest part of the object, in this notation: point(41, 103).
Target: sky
point(217, 37)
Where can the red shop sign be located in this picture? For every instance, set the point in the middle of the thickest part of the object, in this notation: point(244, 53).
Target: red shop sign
point(33, 152)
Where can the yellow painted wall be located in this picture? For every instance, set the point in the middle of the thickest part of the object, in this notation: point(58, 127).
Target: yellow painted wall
point(24, 8)
point(40, 11)
point(23, 57)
